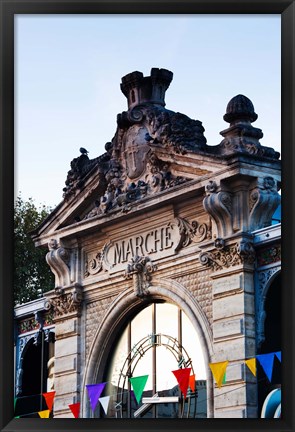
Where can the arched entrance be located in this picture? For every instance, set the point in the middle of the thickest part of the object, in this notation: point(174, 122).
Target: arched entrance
point(272, 330)
point(137, 336)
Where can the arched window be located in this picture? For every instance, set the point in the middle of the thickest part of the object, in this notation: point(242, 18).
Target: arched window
point(158, 340)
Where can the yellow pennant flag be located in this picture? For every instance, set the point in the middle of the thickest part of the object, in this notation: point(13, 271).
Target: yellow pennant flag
point(44, 414)
point(251, 363)
point(218, 370)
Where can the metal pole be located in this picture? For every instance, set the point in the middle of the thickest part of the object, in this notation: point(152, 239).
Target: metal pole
point(42, 361)
point(154, 362)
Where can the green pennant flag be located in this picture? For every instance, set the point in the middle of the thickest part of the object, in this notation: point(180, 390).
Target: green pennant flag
point(138, 384)
point(15, 399)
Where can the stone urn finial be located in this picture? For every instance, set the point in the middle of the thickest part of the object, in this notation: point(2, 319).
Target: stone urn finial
point(240, 109)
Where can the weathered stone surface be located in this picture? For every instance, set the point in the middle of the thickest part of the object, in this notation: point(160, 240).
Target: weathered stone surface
point(67, 384)
point(94, 314)
point(228, 329)
point(226, 285)
point(67, 346)
point(234, 349)
point(238, 304)
point(66, 364)
point(66, 328)
point(200, 285)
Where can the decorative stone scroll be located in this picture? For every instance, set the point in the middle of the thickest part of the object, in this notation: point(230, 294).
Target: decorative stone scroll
point(58, 259)
point(65, 303)
point(192, 232)
point(228, 256)
point(218, 204)
point(263, 201)
point(140, 269)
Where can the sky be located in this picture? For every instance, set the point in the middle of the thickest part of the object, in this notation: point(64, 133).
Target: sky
point(68, 70)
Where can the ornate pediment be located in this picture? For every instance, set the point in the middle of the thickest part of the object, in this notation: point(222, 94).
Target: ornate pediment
point(153, 150)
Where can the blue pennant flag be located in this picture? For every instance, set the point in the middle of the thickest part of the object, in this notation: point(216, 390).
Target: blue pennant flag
point(266, 361)
point(279, 355)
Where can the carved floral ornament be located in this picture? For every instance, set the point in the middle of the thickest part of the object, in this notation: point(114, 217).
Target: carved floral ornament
point(65, 302)
point(158, 243)
point(140, 269)
point(228, 256)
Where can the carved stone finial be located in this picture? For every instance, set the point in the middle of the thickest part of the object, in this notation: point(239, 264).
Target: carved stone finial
point(241, 136)
point(140, 269)
point(240, 109)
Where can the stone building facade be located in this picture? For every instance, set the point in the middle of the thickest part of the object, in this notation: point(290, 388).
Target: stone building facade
point(163, 218)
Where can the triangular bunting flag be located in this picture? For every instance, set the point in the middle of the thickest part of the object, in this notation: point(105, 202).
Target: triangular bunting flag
point(183, 377)
point(218, 370)
point(75, 408)
point(251, 363)
point(44, 414)
point(49, 397)
point(266, 361)
point(192, 383)
point(105, 403)
point(279, 355)
point(224, 378)
point(94, 392)
point(138, 384)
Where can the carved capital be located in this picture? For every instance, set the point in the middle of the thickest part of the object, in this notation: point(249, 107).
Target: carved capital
point(65, 302)
point(228, 256)
point(140, 269)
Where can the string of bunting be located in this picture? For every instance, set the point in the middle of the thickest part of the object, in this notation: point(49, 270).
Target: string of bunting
point(184, 378)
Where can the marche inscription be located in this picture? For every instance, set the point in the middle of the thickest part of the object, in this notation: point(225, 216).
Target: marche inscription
point(157, 243)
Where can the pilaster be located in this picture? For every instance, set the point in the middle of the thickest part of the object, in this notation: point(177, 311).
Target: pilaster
point(232, 266)
point(66, 306)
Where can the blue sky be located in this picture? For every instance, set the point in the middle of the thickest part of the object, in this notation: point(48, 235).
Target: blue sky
point(68, 70)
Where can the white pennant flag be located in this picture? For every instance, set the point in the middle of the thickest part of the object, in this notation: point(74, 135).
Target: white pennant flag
point(105, 403)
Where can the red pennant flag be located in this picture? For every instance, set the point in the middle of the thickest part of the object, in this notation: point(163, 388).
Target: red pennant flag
point(192, 383)
point(75, 408)
point(49, 397)
point(182, 376)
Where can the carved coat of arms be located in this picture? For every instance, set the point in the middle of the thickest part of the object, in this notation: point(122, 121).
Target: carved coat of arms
point(136, 149)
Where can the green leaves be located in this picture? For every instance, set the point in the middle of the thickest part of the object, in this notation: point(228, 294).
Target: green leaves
point(32, 275)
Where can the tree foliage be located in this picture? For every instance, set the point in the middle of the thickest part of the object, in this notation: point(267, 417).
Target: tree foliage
point(32, 275)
